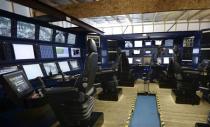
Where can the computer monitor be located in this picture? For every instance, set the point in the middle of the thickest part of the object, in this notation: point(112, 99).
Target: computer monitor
point(74, 64)
point(5, 27)
point(136, 51)
point(32, 71)
point(18, 82)
point(159, 60)
point(147, 60)
point(45, 34)
point(25, 30)
point(4, 70)
point(127, 52)
point(75, 52)
point(158, 42)
point(46, 51)
point(170, 51)
point(169, 43)
point(166, 60)
point(23, 51)
point(147, 52)
point(64, 66)
point(71, 39)
point(196, 51)
point(137, 43)
point(148, 43)
point(60, 36)
point(50, 68)
point(137, 60)
point(128, 44)
point(62, 52)
point(130, 60)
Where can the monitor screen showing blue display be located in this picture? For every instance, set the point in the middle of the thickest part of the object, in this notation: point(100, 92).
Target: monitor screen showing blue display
point(158, 42)
point(46, 51)
point(165, 60)
point(23, 51)
point(137, 43)
point(33, 71)
point(170, 51)
point(169, 43)
point(136, 51)
point(196, 51)
point(45, 34)
point(50, 68)
point(128, 44)
point(5, 27)
point(60, 36)
point(71, 39)
point(64, 66)
point(148, 52)
point(130, 60)
point(148, 43)
point(25, 30)
point(62, 52)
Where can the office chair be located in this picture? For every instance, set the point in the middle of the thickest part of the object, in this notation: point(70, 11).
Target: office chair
point(73, 106)
point(125, 74)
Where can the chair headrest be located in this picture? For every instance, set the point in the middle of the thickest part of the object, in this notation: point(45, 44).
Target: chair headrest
point(91, 45)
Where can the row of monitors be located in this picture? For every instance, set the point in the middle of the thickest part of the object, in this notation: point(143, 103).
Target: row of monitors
point(27, 31)
point(148, 43)
point(26, 51)
point(34, 70)
point(143, 51)
point(147, 60)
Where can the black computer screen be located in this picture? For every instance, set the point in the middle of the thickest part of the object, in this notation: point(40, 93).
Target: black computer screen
point(18, 82)
point(46, 51)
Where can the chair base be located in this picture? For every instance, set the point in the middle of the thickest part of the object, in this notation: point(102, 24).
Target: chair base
point(180, 99)
point(110, 96)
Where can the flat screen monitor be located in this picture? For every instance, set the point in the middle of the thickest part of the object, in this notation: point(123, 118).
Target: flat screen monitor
point(137, 43)
point(127, 52)
point(45, 34)
point(147, 60)
point(50, 68)
point(169, 43)
point(165, 60)
point(74, 64)
point(32, 71)
point(158, 42)
point(196, 51)
point(195, 60)
point(23, 51)
point(75, 52)
point(64, 66)
point(62, 52)
point(128, 44)
point(130, 60)
point(5, 27)
point(46, 51)
point(147, 52)
point(137, 60)
point(25, 30)
point(18, 83)
point(71, 39)
point(60, 36)
point(170, 51)
point(148, 43)
point(136, 51)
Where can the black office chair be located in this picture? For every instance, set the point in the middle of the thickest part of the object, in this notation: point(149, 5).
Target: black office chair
point(73, 106)
point(125, 74)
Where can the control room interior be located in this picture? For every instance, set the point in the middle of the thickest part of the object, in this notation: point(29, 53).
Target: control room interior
point(104, 63)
